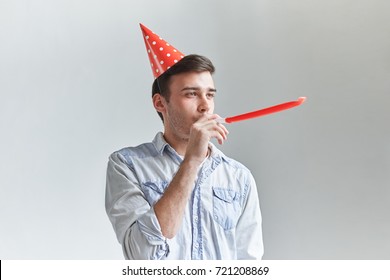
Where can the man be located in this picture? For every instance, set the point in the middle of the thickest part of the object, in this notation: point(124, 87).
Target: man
point(179, 197)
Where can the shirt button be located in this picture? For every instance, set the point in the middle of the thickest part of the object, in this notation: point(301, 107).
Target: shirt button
point(196, 219)
point(196, 245)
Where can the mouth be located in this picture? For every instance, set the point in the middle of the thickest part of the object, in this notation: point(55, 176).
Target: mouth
point(199, 116)
point(195, 119)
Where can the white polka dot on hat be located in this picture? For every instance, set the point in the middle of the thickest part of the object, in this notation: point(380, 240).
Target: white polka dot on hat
point(162, 55)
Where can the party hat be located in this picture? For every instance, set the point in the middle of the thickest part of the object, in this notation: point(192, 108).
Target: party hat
point(161, 54)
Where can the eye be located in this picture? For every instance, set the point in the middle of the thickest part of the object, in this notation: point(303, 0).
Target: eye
point(210, 95)
point(191, 93)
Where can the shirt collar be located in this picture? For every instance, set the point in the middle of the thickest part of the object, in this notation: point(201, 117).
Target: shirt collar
point(160, 144)
point(216, 153)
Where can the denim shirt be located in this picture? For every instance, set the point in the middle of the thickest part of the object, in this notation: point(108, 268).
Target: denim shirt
point(222, 219)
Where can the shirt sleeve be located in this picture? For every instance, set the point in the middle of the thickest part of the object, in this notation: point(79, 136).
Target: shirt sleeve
point(249, 229)
point(133, 219)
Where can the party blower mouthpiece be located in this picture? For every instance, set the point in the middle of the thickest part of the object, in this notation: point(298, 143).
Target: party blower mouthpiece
point(263, 112)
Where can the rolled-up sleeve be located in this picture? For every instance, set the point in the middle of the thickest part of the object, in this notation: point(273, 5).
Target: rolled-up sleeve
point(133, 219)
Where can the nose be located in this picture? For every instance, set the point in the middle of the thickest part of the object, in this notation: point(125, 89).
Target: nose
point(203, 106)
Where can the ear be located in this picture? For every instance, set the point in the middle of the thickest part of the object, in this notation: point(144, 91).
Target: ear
point(159, 103)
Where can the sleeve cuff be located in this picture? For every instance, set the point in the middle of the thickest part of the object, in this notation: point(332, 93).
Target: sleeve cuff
point(150, 227)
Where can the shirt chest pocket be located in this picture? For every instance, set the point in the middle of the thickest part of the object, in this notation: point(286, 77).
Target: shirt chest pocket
point(226, 207)
point(153, 190)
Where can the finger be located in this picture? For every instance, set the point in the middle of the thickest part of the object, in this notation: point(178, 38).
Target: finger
point(214, 126)
point(223, 128)
point(208, 125)
point(218, 136)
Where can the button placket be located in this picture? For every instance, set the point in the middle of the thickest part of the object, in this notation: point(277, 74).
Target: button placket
point(196, 222)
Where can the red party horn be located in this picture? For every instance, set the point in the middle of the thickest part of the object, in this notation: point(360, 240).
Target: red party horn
point(263, 112)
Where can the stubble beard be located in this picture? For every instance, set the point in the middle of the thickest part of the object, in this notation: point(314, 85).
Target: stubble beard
point(180, 129)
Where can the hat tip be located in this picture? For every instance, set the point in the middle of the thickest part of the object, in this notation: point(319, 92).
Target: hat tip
point(142, 27)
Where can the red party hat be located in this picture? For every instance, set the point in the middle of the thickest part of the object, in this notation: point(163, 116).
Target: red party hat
point(161, 54)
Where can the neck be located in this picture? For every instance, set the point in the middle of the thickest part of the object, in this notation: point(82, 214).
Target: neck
point(180, 145)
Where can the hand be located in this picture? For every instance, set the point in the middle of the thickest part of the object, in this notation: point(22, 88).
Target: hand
point(201, 133)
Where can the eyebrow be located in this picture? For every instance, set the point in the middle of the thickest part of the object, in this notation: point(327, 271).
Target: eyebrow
point(198, 88)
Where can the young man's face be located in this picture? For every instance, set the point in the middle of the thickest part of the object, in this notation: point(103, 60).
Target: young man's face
point(191, 96)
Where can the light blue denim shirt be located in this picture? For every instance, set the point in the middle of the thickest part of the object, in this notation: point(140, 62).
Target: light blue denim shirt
point(222, 219)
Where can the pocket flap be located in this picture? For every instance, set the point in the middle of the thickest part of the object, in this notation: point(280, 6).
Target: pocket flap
point(227, 195)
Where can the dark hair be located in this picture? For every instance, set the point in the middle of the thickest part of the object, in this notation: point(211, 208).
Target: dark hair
point(189, 63)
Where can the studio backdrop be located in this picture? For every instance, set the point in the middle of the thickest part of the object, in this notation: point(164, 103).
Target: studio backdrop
point(75, 85)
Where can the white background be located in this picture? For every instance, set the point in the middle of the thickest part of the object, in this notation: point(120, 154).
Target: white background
point(75, 86)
